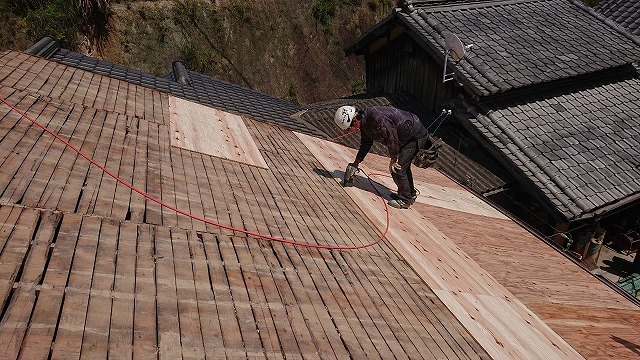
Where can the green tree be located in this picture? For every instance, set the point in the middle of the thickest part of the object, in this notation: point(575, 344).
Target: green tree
point(66, 20)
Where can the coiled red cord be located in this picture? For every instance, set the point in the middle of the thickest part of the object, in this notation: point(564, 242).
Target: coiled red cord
point(254, 234)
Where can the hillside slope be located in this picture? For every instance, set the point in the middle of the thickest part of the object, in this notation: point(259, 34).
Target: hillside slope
point(291, 49)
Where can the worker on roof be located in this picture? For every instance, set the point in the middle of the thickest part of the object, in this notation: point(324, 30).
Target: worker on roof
point(400, 131)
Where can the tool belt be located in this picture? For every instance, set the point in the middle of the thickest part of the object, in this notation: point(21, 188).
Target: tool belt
point(427, 157)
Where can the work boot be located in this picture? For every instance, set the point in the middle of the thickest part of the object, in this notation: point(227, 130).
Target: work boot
point(395, 196)
point(399, 204)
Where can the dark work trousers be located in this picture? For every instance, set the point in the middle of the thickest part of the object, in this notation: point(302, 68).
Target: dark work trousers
point(404, 177)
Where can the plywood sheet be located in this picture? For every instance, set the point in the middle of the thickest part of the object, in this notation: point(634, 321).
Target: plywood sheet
point(495, 318)
point(447, 198)
point(213, 132)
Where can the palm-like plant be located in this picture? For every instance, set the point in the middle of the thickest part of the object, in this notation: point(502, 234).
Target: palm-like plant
point(95, 16)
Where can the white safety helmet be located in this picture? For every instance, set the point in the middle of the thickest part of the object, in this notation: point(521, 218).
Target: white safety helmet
point(344, 116)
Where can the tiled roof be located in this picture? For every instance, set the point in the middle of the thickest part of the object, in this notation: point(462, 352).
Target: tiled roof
point(203, 89)
point(520, 43)
point(471, 166)
point(579, 143)
point(626, 13)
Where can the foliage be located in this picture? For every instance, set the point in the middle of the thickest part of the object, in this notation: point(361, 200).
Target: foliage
point(210, 29)
point(56, 18)
point(324, 11)
point(12, 30)
point(64, 19)
point(186, 11)
point(195, 59)
point(241, 12)
point(358, 87)
point(292, 96)
point(95, 16)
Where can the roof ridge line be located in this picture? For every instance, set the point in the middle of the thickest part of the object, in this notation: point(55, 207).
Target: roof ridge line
point(608, 73)
point(607, 21)
point(477, 4)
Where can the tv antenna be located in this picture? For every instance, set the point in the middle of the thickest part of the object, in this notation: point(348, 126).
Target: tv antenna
point(453, 48)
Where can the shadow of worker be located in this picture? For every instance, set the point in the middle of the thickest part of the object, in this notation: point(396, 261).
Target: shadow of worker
point(360, 182)
point(628, 344)
point(617, 266)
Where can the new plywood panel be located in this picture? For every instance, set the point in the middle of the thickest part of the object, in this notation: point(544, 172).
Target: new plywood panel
point(497, 320)
point(447, 198)
point(213, 132)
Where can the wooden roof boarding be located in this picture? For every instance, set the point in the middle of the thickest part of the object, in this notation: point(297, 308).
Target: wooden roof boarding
point(92, 269)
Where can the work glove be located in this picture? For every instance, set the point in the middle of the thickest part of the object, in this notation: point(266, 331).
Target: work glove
point(394, 167)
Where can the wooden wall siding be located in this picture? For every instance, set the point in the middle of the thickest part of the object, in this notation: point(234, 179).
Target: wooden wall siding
point(403, 67)
point(211, 131)
point(505, 327)
point(88, 269)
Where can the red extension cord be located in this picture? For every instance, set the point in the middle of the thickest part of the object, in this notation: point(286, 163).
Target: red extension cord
point(267, 237)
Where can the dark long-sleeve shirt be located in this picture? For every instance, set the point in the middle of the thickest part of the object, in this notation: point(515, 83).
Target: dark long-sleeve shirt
point(389, 126)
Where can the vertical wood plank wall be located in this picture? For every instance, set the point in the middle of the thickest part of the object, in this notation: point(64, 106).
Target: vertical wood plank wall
point(403, 67)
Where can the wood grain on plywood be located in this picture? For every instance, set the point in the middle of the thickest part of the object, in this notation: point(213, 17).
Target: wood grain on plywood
point(213, 132)
point(459, 282)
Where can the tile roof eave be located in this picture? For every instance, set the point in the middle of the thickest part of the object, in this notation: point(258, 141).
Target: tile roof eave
point(595, 201)
point(607, 209)
point(520, 177)
point(530, 168)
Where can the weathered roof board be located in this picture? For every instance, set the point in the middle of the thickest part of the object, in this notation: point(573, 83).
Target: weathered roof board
point(203, 89)
point(521, 43)
point(92, 269)
point(625, 13)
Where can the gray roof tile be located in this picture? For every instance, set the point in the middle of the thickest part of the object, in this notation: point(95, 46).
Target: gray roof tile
point(520, 43)
point(626, 13)
point(589, 161)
